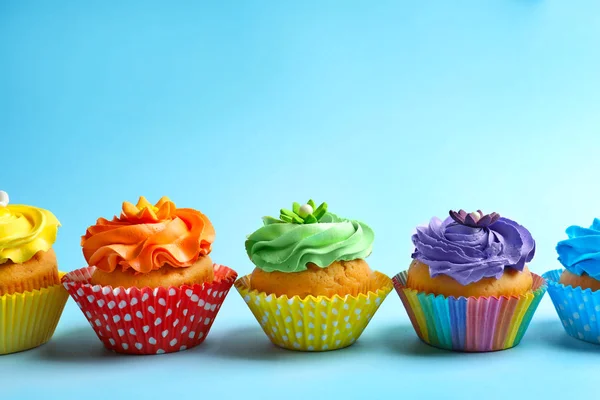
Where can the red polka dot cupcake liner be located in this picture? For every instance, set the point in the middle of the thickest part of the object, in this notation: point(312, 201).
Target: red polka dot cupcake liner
point(150, 320)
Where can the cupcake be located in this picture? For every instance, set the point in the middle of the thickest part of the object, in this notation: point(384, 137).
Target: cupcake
point(312, 289)
point(31, 297)
point(468, 287)
point(574, 290)
point(150, 286)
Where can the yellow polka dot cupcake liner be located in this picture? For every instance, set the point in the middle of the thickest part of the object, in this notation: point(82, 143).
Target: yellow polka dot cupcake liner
point(28, 319)
point(315, 323)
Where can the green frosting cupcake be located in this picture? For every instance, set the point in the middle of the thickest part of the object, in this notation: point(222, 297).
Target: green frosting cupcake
point(307, 234)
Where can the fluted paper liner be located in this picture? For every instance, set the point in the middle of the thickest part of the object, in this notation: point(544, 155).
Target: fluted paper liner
point(315, 323)
point(474, 324)
point(28, 319)
point(577, 308)
point(146, 320)
point(33, 283)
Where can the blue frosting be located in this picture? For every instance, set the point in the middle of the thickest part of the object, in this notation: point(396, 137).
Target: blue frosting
point(581, 251)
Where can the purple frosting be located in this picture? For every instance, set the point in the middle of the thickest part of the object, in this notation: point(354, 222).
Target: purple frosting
point(469, 254)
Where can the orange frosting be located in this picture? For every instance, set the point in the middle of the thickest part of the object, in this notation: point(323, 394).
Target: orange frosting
point(146, 237)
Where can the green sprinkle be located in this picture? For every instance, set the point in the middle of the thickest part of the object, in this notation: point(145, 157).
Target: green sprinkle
point(285, 218)
point(310, 219)
point(294, 217)
point(289, 213)
point(319, 212)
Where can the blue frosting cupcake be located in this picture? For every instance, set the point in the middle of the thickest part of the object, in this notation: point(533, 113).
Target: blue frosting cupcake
point(575, 290)
point(580, 255)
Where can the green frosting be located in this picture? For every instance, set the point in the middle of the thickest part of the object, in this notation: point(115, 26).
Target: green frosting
point(320, 237)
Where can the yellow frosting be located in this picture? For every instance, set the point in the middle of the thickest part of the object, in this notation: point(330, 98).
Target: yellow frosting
point(25, 230)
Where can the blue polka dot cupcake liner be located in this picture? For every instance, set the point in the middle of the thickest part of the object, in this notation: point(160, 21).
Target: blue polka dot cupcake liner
point(577, 308)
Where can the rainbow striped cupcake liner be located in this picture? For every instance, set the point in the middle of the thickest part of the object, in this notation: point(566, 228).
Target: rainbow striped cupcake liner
point(474, 324)
point(578, 309)
point(315, 323)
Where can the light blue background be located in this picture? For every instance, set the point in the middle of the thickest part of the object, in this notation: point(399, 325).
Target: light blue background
point(391, 111)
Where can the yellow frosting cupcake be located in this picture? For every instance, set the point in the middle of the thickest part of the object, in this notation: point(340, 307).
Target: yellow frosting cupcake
point(31, 297)
point(27, 261)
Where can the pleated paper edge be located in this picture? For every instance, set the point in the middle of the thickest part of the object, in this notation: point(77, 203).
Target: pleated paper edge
point(534, 296)
point(384, 284)
point(567, 295)
point(80, 278)
point(399, 284)
point(51, 318)
point(324, 305)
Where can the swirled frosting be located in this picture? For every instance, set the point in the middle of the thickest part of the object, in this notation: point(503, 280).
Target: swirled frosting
point(580, 253)
point(467, 253)
point(147, 237)
point(25, 230)
point(289, 247)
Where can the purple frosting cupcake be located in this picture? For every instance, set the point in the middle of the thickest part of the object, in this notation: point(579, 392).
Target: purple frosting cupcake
point(468, 287)
point(471, 246)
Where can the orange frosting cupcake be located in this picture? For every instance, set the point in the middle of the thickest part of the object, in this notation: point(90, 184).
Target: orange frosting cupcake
point(146, 238)
point(150, 267)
